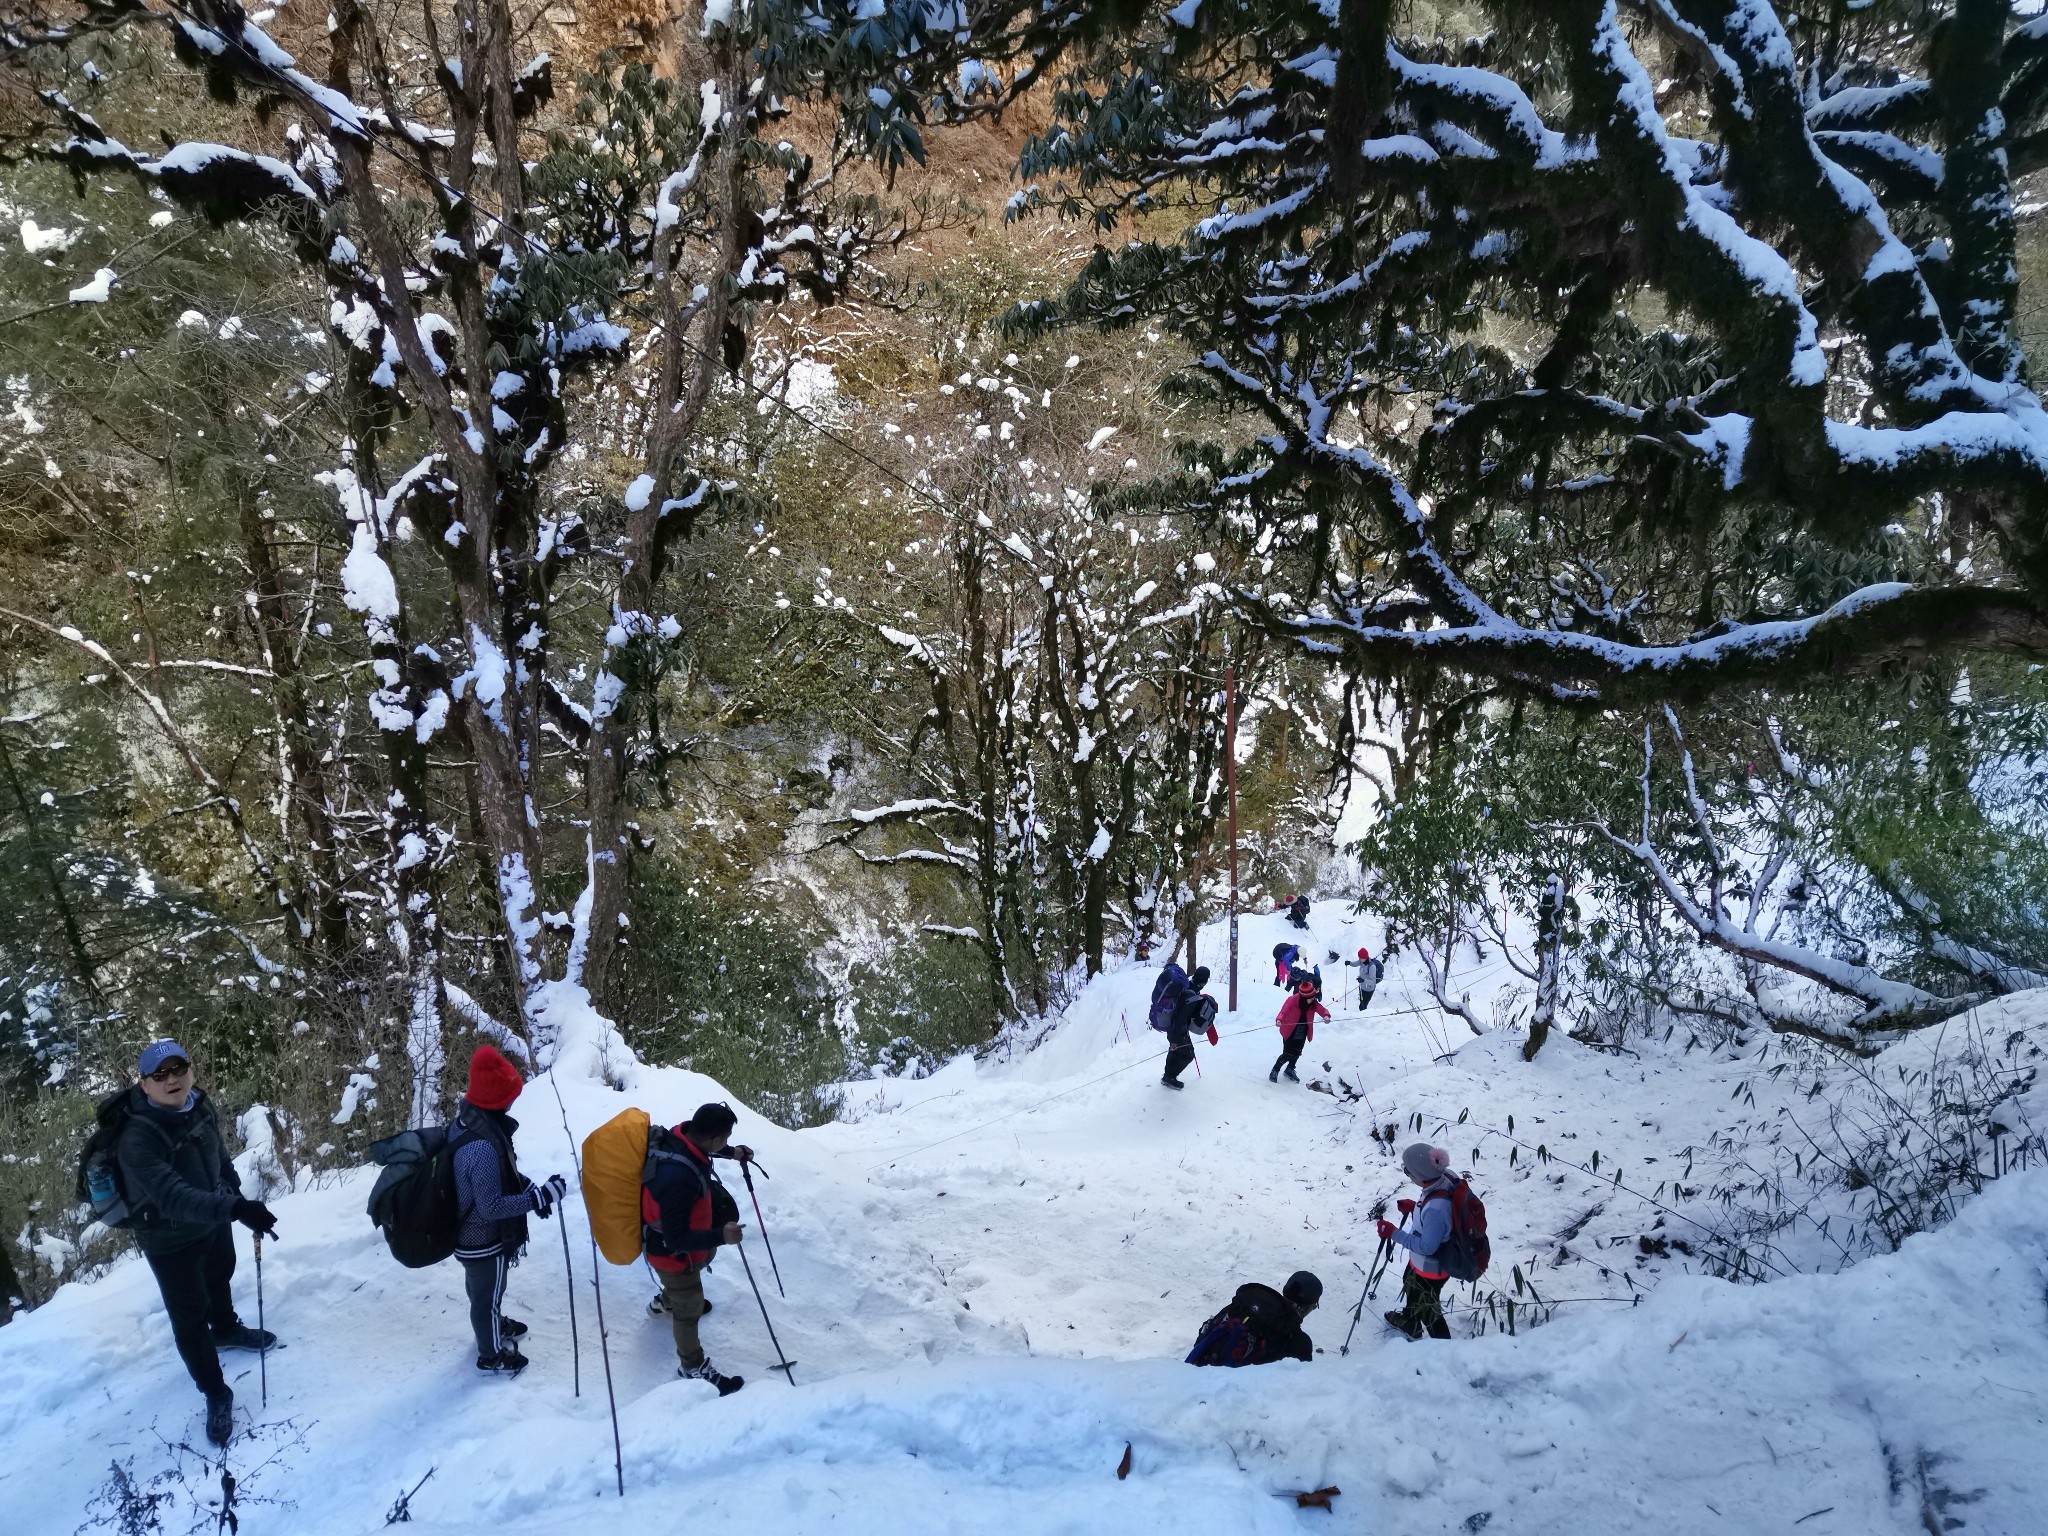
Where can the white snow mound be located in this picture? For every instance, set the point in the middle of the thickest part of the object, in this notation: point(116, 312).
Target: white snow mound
point(992, 1272)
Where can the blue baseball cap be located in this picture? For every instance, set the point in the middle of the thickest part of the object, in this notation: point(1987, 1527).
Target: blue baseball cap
point(158, 1052)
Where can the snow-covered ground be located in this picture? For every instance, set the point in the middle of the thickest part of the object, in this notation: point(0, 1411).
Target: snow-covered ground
point(992, 1274)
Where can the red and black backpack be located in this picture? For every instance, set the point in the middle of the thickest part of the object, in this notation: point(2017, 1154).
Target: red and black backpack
point(1466, 1252)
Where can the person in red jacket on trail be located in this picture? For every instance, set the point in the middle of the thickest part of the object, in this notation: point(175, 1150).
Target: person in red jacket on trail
point(1297, 1023)
point(681, 1233)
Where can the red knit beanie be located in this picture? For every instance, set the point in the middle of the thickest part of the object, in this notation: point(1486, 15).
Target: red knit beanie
point(493, 1081)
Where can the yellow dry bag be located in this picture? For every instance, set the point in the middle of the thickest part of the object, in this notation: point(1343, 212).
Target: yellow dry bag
point(614, 1158)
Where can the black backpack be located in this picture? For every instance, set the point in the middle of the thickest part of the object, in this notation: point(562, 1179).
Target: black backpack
point(99, 1166)
point(413, 1201)
point(1245, 1332)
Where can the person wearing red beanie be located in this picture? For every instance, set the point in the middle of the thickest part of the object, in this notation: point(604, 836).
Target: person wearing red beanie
point(493, 1081)
point(492, 1199)
point(1369, 973)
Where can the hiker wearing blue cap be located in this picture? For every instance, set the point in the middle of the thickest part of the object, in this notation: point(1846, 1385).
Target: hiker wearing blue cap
point(182, 1195)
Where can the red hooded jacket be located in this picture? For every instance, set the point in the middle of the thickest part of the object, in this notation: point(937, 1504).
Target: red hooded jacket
point(675, 1208)
point(1300, 1009)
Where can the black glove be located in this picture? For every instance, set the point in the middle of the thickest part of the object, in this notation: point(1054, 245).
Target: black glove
point(254, 1215)
point(547, 1193)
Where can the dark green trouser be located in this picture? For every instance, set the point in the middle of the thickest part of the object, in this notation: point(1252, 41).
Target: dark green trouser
point(684, 1293)
point(1422, 1304)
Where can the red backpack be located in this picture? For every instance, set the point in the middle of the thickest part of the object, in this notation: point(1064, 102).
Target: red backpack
point(1466, 1252)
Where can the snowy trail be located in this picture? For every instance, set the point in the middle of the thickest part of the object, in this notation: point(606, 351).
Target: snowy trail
point(993, 1272)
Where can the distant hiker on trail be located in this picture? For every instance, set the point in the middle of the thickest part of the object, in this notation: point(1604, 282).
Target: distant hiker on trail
point(1422, 1282)
point(1370, 971)
point(1261, 1325)
point(1297, 1021)
point(1313, 975)
point(183, 1197)
point(1195, 1011)
point(680, 1231)
point(1297, 912)
point(492, 1199)
point(1284, 956)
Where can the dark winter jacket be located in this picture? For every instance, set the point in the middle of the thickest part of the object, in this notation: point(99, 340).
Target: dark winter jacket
point(1272, 1326)
point(492, 1196)
point(1192, 1015)
point(175, 1172)
point(678, 1227)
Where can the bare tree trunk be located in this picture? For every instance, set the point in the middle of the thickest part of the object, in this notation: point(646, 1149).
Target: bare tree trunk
point(1549, 961)
point(686, 376)
point(305, 777)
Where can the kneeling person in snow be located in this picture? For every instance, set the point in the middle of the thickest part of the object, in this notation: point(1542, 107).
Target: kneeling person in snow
point(492, 1199)
point(1422, 1282)
point(1195, 1010)
point(1297, 1021)
point(186, 1196)
point(681, 1232)
point(1261, 1325)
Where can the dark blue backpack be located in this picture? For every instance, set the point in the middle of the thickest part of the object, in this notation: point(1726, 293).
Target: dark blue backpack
point(1166, 994)
point(1227, 1340)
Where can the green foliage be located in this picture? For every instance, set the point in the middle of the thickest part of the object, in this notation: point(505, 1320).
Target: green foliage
point(40, 1140)
point(919, 1005)
point(722, 982)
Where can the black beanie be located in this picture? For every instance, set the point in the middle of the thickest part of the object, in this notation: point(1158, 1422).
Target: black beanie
point(1303, 1289)
point(1201, 977)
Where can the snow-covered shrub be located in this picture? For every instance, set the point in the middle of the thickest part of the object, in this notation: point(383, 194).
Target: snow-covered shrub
point(48, 1236)
point(1880, 1149)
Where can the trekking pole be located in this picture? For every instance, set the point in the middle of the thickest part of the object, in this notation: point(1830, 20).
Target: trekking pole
point(1372, 1281)
point(569, 1281)
point(747, 1174)
point(568, 1269)
point(263, 1353)
point(604, 1350)
point(597, 1289)
point(784, 1363)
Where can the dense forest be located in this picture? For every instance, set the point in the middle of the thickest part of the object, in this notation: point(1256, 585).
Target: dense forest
point(776, 517)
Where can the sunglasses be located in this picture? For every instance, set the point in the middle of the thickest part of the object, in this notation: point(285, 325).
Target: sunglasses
point(168, 1071)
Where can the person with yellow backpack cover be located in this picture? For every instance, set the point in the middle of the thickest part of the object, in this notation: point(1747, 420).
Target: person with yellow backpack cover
point(651, 1190)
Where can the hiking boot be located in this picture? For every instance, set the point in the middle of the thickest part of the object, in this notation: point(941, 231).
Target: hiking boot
point(1273, 1076)
point(1399, 1320)
point(220, 1416)
point(506, 1362)
point(1291, 1077)
point(242, 1336)
point(1167, 1082)
point(703, 1370)
point(511, 1328)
